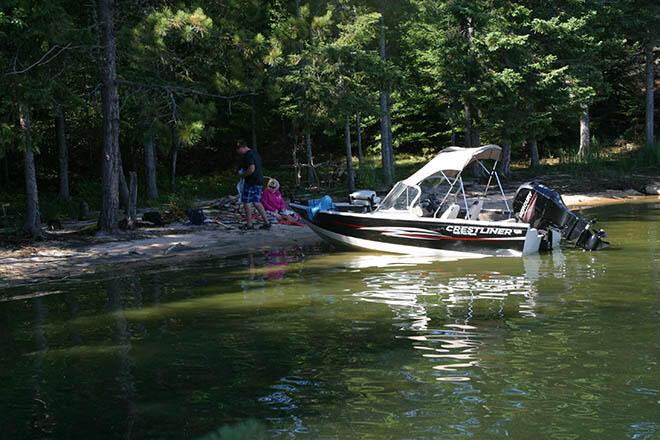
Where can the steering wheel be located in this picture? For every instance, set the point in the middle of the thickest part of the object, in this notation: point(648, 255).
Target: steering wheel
point(429, 204)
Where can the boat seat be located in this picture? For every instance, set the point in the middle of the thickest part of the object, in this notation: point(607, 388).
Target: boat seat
point(451, 212)
point(475, 209)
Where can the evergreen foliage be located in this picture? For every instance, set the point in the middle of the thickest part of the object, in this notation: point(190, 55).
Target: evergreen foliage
point(292, 74)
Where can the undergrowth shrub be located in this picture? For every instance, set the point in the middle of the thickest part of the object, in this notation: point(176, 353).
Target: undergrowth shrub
point(369, 176)
point(648, 156)
point(177, 205)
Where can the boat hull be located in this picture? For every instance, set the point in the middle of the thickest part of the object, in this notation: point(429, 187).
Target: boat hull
point(423, 236)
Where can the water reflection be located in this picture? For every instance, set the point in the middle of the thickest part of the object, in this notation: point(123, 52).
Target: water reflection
point(442, 312)
point(344, 346)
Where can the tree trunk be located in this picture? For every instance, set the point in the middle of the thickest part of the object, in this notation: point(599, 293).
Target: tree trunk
point(359, 139)
point(650, 67)
point(385, 121)
point(91, 152)
point(386, 133)
point(349, 156)
point(476, 135)
point(505, 158)
point(32, 223)
point(471, 115)
point(131, 212)
point(150, 165)
point(534, 152)
point(123, 186)
point(63, 152)
point(468, 124)
point(175, 153)
point(131, 156)
point(311, 172)
point(476, 142)
point(585, 137)
point(253, 122)
point(5, 170)
point(109, 215)
point(471, 137)
point(296, 164)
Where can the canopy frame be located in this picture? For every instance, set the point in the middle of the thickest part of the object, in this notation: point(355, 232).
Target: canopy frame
point(449, 165)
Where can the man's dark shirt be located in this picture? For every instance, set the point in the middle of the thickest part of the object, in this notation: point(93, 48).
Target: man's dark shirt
point(251, 157)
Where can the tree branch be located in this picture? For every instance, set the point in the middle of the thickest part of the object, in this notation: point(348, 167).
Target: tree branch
point(174, 89)
point(45, 59)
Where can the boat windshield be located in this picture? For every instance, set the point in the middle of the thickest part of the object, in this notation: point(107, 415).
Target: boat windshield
point(400, 198)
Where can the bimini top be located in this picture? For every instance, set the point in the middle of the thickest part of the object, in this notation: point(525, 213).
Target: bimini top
point(452, 160)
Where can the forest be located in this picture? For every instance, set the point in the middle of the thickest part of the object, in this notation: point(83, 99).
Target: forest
point(103, 95)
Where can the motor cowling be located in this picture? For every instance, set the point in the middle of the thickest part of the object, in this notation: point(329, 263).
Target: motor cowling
point(542, 208)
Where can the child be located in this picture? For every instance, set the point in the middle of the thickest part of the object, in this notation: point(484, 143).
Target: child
point(273, 202)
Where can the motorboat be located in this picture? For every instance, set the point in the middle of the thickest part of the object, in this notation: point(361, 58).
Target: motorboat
point(433, 212)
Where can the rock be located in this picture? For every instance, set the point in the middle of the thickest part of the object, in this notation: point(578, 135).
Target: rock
point(652, 189)
point(175, 246)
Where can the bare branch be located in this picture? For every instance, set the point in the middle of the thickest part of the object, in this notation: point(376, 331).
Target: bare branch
point(45, 59)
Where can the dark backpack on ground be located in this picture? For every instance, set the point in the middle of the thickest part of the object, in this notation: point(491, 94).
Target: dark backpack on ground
point(196, 216)
point(153, 217)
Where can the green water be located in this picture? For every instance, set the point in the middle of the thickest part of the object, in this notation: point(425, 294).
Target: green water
point(313, 344)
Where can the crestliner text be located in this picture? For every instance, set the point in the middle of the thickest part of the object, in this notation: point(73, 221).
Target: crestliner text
point(476, 230)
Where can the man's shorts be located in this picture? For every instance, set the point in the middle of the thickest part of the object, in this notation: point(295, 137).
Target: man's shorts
point(251, 194)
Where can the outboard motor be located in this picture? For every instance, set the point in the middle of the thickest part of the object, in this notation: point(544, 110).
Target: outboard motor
point(542, 207)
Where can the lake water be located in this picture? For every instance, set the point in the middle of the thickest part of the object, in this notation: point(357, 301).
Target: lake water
point(308, 344)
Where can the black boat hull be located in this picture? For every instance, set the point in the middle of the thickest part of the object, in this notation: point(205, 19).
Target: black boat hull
point(423, 236)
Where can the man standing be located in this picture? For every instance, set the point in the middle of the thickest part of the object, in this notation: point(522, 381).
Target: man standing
point(254, 182)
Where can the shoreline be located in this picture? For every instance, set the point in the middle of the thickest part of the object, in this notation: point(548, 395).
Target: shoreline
point(60, 259)
point(56, 260)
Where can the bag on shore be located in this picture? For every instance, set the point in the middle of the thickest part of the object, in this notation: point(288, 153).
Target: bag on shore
point(196, 216)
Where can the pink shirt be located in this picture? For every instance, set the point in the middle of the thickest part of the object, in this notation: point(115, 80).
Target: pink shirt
point(272, 201)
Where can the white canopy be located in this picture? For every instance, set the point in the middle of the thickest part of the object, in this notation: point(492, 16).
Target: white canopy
point(452, 160)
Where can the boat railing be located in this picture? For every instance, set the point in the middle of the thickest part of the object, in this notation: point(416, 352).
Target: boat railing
point(461, 189)
point(492, 173)
point(471, 211)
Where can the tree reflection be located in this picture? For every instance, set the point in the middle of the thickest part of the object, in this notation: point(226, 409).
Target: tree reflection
point(43, 420)
point(122, 339)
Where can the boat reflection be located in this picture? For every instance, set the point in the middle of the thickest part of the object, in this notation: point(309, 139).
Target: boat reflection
point(447, 314)
point(365, 260)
